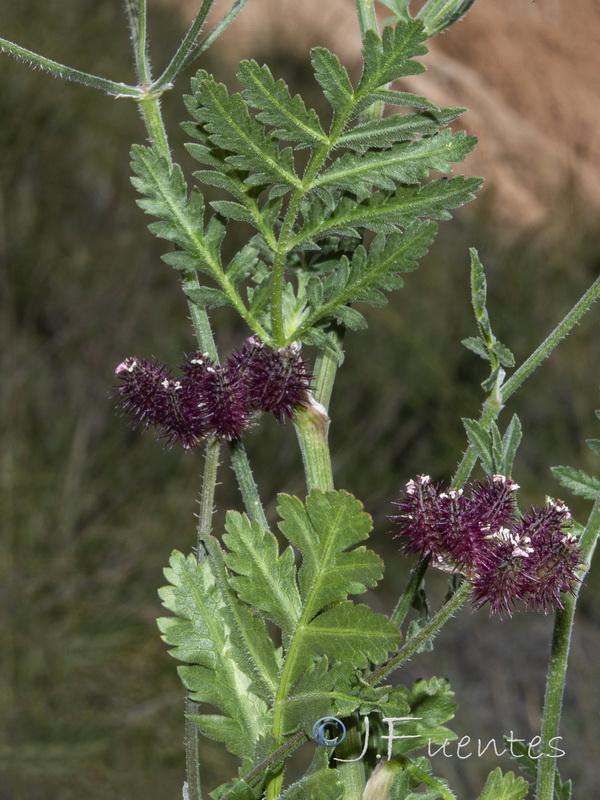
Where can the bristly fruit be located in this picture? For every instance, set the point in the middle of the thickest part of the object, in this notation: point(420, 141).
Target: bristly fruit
point(479, 533)
point(277, 381)
point(212, 400)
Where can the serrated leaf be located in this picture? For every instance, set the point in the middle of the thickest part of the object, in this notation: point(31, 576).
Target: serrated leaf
point(322, 785)
point(504, 787)
point(479, 295)
point(207, 297)
point(265, 579)
point(594, 445)
point(481, 442)
point(243, 263)
point(288, 115)
point(199, 635)
point(226, 119)
point(325, 691)
point(166, 196)
point(503, 354)
point(401, 163)
point(376, 270)
point(510, 444)
point(577, 481)
point(236, 789)
point(350, 317)
point(416, 772)
point(233, 211)
point(382, 212)
point(324, 340)
point(477, 345)
point(392, 97)
point(332, 77)
point(393, 128)
point(348, 631)
point(248, 631)
point(323, 530)
point(390, 57)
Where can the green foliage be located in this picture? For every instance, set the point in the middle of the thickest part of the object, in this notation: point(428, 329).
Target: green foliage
point(504, 787)
point(577, 481)
point(264, 694)
point(418, 773)
point(486, 344)
point(495, 452)
point(295, 280)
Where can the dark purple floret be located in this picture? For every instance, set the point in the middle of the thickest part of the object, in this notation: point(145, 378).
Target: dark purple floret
point(555, 555)
point(418, 518)
point(479, 534)
point(153, 398)
point(216, 397)
point(274, 380)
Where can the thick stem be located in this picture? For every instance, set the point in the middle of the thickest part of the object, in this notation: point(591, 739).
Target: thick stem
point(151, 114)
point(312, 424)
point(557, 668)
point(367, 18)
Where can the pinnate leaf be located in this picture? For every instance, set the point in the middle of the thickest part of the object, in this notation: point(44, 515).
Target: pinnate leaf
point(288, 115)
point(577, 481)
point(229, 125)
point(323, 530)
point(200, 635)
point(333, 78)
point(390, 56)
point(264, 579)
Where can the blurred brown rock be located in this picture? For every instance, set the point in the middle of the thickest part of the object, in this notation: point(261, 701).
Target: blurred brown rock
point(528, 72)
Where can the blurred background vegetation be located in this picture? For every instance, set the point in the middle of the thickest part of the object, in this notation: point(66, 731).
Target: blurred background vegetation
point(90, 701)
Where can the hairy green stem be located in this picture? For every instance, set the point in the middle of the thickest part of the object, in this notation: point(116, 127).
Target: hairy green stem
point(208, 40)
point(70, 74)
point(367, 18)
point(548, 345)
point(246, 483)
point(141, 45)
point(207, 496)
point(412, 646)
point(404, 603)
point(187, 46)
point(557, 668)
point(207, 499)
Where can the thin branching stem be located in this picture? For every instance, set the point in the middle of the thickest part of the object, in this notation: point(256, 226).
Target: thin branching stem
point(557, 668)
point(211, 37)
point(68, 73)
point(187, 46)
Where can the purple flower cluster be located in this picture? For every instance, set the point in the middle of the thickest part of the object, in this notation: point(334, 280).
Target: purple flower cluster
point(480, 534)
point(213, 400)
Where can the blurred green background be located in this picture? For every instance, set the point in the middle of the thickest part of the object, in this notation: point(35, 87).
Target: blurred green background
point(90, 701)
